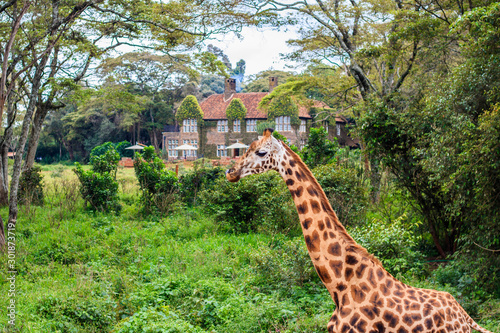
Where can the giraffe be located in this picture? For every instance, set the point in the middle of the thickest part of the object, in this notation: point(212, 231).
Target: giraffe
point(367, 297)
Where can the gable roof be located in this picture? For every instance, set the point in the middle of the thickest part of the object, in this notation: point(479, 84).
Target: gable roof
point(214, 106)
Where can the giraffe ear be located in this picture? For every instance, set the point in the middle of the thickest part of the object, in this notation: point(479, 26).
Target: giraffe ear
point(268, 132)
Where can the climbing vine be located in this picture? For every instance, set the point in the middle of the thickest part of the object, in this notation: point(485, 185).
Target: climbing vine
point(236, 110)
point(189, 109)
point(284, 106)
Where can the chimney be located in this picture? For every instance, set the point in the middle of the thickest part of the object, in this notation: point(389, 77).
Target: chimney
point(273, 82)
point(229, 88)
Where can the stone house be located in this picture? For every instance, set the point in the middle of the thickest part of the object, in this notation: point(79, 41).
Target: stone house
point(217, 132)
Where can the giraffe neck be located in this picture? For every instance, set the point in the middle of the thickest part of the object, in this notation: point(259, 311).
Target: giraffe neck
point(338, 259)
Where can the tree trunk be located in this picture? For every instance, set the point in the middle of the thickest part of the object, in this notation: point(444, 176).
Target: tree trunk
point(33, 99)
point(4, 154)
point(36, 129)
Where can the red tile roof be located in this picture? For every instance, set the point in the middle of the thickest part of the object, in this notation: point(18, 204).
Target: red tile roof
point(214, 106)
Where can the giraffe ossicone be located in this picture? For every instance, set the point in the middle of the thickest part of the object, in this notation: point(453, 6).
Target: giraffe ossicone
point(367, 297)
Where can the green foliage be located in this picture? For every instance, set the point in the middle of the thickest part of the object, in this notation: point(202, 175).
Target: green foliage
point(262, 125)
point(159, 186)
point(319, 150)
point(236, 110)
point(31, 186)
point(394, 243)
point(284, 106)
point(120, 148)
point(100, 190)
point(156, 320)
point(202, 177)
point(345, 191)
point(257, 203)
point(189, 109)
point(102, 149)
point(106, 162)
point(98, 186)
point(285, 264)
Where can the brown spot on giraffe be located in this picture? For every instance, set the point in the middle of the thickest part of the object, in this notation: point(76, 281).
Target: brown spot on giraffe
point(313, 241)
point(368, 298)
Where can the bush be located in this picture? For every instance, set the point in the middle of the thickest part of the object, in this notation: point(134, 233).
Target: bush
point(203, 177)
point(98, 190)
point(107, 162)
point(31, 186)
point(257, 203)
point(99, 187)
point(284, 265)
point(159, 186)
point(345, 192)
point(393, 243)
point(319, 150)
point(118, 146)
point(156, 320)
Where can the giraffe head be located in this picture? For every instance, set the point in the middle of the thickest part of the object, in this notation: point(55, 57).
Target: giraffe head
point(262, 155)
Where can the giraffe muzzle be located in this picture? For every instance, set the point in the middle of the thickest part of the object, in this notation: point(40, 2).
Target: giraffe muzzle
point(232, 176)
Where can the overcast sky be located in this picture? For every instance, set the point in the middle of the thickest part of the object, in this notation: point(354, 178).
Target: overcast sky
point(259, 48)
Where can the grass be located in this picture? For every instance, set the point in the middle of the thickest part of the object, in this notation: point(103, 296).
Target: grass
point(80, 271)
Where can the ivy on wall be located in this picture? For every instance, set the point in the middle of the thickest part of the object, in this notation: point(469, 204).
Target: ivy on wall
point(284, 106)
point(189, 109)
point(236, 110)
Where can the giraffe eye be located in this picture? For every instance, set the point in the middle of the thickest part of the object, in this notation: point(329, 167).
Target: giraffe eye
point(261, 153)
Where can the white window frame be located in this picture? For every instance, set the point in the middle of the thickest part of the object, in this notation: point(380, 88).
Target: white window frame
point(221, 151)
point(237, 126)
point(283, 124)
point(303, 126)
point(190, 126)
point(251, 125)
point(222, 126)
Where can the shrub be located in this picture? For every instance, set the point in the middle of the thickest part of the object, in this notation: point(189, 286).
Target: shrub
point(156, 320)
point(106, 162)
point(393, 243)
point(119, 147)
point(283, 265)
point(31, 186)
point(258, 203)
point(98, 190)
point(203, 177)
point(159, 186)
point(319, 150)
point(99, 187)
point(345, 192)
point(102, 149)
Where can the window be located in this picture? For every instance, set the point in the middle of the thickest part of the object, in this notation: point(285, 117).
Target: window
point(325, 126)
point(221, 150)
point(190, 126)
point(194, 143)
point(338, 129)
point(302, 126)
point(283, 124)
point(190, 153)
point(222, 126)
point(172, 144)
point(302, 143)
point(237, 126)
point(251, 125)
